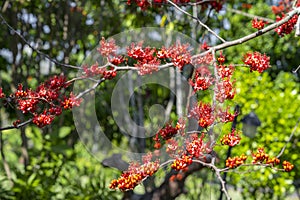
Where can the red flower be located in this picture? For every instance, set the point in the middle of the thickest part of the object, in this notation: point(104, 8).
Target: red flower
point(180, 55)
point(168, 132)
point(225, 72)
point(201, 81)
point(43, 119)
point(203, 113)
point(204, 46)
point(260, 156)
point(224, 90)
point(172, 146)
point(226, 116)
point(258, 24)
point(107, 48)
point(136, 173)
point(231, 139)
point(287, 27)
point(70, 102)
point(287, 166)
point(196, 146)
point(221, 58)
point(257, 61)
point(236, 161)
point(182, 162)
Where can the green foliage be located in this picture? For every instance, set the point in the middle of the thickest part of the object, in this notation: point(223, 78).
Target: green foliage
point(277, 105)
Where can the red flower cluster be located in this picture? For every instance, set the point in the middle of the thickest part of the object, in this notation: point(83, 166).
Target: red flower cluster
point(179, 54)
point(258, 24)
point(225, 71)
point(95, 70)
point(43, 119)
point(257, 61)
point(182, 162)
point(287, 166)
point(224, 90)
point(231, 139)
point(168, 132)
point(224, 87)
point(136, 174)
point(202, 79)
point(146, 60)
point(236, 161)
point(172, 146)
point(196, 146)
point(107, 48)
point(199, 60)
point(46, 101)
point(287, 27)
point(203, 113)
point(226, 116)
point(70, 102)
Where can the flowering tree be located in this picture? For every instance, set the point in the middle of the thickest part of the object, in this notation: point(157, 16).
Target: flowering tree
point(188, 148)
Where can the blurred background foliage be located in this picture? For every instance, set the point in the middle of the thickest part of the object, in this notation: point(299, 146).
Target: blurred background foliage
point(52, 163)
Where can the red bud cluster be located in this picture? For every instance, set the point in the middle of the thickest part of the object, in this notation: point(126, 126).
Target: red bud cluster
point(202, 80)
point(261, 157)
point(203, 112)
point(258, 24)
point(236, 161)
point(46, 102)
point(136, 173)
point(182, 162)
point(287, 166)
point(95, 70)
point(231, 139)
point(287, 27)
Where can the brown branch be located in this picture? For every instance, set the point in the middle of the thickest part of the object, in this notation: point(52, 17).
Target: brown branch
point(90, 89)
point(17, 126)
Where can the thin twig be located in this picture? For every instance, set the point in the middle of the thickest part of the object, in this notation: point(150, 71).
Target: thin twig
point(295, 71)
point(217, 170)
point(197, 19)
point(250, 15)
point(90, 89)
point(291, 135)
point(34, 49)
point(17, 126)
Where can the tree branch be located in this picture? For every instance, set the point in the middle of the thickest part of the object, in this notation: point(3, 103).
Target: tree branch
point(17, 126)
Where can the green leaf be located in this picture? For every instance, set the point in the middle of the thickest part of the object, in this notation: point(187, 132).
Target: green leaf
point(64, 131)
